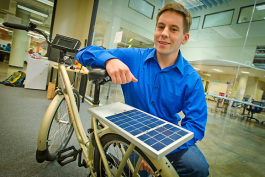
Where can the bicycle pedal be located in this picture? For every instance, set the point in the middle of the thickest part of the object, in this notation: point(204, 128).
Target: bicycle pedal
point(64, 156)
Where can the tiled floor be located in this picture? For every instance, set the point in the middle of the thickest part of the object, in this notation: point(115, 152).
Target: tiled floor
point(232, 145)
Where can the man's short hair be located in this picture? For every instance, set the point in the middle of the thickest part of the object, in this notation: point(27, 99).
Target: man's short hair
point(178, 8)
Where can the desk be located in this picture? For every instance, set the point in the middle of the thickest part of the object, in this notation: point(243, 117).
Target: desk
point(82, 88)
point(235, 100)
point(3, 53)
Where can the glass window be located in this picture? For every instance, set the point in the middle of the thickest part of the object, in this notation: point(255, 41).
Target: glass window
point(246, 13)
point(228, 57)
point(218, 19)
point(142, 7)
point(195, 23)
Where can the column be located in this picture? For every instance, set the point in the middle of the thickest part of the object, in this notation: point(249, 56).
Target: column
point(252, 85)
point(19, 41)
point(241, 86)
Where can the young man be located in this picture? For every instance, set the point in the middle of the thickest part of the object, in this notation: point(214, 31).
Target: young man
point(161, 82)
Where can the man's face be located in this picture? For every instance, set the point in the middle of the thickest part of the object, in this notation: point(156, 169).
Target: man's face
point(169, 34)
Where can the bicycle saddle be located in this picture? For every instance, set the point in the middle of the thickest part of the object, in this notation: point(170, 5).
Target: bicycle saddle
point(97, 74)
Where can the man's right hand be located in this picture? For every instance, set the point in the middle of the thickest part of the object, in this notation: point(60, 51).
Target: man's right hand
point(119, 72)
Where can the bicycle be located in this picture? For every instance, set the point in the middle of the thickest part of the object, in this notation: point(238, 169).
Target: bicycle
point(105, 152)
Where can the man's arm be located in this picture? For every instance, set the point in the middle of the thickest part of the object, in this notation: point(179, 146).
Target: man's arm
point(112, 60)
point(195, 110)
point(119, 72)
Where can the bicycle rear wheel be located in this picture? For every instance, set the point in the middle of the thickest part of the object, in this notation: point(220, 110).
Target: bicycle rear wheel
point(114, 146)
point(61, 128)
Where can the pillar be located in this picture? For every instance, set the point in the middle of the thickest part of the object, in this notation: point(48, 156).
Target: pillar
point(252, 85)
point(19, 41)
point(241, 86)
point(72, 19)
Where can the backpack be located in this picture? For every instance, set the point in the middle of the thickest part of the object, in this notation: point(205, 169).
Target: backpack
point(16, 79)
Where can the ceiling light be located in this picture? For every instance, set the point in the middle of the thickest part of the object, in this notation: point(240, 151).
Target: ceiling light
point(207, 74)
point(245, 72)
point(49, 3)
point(36, 21)
point(196, 68)
point(218, 70)
point(261, 7)
point(32, 11)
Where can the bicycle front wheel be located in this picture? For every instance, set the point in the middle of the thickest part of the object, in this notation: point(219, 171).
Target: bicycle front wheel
point(114, 147)
point(61, 128)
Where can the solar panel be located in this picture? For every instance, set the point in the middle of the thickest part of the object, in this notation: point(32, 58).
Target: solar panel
point(151, 134)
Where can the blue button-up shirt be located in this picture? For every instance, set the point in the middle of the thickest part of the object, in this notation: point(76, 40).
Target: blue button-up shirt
point(160, 92)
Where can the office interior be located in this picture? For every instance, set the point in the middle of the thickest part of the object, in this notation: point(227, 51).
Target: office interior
point(226, 47)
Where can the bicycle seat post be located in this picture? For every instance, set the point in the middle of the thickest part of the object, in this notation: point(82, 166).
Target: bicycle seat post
point(96, 94)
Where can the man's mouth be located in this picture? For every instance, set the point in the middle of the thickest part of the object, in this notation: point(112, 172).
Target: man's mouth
point(163, 42)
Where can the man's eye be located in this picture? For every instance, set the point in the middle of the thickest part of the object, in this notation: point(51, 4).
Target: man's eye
point(174, 29)
point(160, 27)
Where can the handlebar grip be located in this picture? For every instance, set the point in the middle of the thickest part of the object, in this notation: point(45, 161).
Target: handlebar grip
point(16, 26)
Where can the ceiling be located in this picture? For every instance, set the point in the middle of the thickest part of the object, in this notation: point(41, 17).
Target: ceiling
point(227, 67)
point(8, 7)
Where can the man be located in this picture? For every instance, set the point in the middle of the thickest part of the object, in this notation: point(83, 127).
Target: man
point(161, 82)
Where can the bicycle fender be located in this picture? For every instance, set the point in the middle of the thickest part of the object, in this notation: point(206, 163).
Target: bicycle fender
point(163, 166)
point(46, 121)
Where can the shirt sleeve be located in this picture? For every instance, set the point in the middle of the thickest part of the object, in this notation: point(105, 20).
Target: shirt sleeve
point(195, 111)
point(96, 56)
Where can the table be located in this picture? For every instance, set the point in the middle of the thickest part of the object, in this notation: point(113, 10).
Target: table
point(237, 101)
point(3, 53)
point(82, 87)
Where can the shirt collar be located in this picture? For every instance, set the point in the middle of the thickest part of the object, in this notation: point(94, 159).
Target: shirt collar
point(179, 64)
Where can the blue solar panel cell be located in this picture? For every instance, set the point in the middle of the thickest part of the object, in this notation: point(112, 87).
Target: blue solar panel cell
point(182, 133)
point(150, 141)
point(158, 146)
point(167, 132)
point(174, 136)
point(144, 137)
point(160, 137)
point(167, 141)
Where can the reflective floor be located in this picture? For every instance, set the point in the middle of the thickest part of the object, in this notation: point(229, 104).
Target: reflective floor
point(233, 145)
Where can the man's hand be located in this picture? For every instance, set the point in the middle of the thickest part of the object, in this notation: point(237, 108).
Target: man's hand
point(145, 167)
point(119, 72)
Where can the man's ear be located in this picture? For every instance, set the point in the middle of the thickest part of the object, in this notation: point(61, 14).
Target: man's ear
point(185, 39)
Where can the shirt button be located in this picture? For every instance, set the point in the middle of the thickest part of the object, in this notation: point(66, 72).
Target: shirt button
point(155, 86)
point(152, 102)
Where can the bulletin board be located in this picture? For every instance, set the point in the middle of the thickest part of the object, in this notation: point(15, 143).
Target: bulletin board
point(215, 88)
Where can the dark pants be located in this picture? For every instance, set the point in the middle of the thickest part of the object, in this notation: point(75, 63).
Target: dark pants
point(187, 162)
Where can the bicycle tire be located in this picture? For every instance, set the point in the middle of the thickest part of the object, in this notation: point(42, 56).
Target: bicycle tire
point(60, 130)
point(111, 144)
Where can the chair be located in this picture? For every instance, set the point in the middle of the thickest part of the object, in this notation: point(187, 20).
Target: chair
point(254, 109)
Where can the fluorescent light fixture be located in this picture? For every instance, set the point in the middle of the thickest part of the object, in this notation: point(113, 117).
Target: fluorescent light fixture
point(218, 70)
point(36, 21)
point(245, 72)
point(196, 68)
point(261, 7)
point(207, 74)
point(32, 11)
point(49, 3)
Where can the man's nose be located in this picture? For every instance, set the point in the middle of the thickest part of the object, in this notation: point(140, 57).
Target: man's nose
point(165, 32)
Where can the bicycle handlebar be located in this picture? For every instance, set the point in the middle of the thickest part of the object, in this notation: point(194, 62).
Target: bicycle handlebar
point(33, 27)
